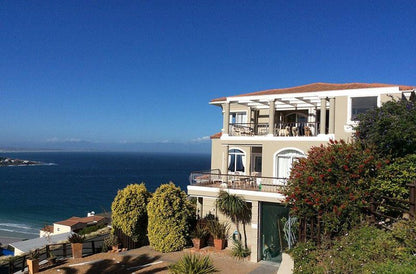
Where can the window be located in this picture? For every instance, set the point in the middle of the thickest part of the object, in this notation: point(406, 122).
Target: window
point(236, 160)
point(361, 105)
point(238, 117)
point(257, 163)
point(285, 161)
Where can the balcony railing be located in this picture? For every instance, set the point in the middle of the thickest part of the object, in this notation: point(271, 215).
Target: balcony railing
point(214, 178)
point(296, 129)
point(280, 129)
point(248, 129)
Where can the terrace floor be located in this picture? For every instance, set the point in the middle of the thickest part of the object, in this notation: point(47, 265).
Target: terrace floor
point(147, 260)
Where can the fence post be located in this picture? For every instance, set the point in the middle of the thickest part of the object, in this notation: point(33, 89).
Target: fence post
point(93, 247)
point(64, 250)
point(412, 200)
point(47, 251)
point(23, 262)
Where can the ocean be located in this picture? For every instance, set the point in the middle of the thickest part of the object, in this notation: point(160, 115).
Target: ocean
point(75, 183)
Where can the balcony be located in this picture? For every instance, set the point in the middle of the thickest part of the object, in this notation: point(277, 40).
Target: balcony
point(281, 129)
point(214, 178)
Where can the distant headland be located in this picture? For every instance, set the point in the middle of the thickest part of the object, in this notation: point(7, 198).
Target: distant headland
point(6, 161)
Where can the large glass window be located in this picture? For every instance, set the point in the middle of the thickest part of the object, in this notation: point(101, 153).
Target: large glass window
point(238, 117)
point(285, 161)
point(236, 159)
point(361, 105)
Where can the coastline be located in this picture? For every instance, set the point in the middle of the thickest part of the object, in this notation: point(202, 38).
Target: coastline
point(5, 241)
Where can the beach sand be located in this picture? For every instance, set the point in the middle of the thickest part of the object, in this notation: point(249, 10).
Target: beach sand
point(4, 241)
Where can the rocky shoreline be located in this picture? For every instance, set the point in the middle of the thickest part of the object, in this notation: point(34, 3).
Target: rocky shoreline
point(5, 161)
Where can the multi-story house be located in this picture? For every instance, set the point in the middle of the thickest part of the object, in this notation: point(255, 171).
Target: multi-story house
point(263, 133)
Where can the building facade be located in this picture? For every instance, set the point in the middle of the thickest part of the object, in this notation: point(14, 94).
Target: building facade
point(263, 134)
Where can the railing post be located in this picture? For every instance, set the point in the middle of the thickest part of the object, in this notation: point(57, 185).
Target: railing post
point(412, 200)
point(23, 262)
point(47, 251)
point(64, 250)
point(93, 247)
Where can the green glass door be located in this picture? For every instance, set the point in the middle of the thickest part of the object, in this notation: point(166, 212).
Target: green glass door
point(272, 240)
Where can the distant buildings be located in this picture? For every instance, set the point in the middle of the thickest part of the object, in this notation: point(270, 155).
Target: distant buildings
point(73, 224)
point(263, 134)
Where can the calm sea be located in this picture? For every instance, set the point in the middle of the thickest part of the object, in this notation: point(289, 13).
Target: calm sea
point(72, 184)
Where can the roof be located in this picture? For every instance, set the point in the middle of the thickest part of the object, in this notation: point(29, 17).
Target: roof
point(315, 87)
point(28, 245)
point(216, 135)
point(77, 220)
point(48, 228)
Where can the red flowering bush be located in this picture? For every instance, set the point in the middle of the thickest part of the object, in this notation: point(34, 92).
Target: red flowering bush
point(332, 182)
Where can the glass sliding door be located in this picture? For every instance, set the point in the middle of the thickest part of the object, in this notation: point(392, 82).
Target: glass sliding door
point(272, 240)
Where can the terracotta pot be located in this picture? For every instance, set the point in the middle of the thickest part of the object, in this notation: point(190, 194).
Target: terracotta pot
point(219, 244)
point(198, 243)
point(33, 265)
point(76, 250)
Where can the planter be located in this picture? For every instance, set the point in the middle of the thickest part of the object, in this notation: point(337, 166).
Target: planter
point(219, 244)
point(33, 265)
point(114, 248)
point(76, 250)
point(198, 243)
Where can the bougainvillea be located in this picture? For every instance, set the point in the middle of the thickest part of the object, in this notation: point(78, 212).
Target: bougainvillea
point(333, 183)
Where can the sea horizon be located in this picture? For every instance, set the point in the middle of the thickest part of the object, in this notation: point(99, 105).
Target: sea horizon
point(79, 182)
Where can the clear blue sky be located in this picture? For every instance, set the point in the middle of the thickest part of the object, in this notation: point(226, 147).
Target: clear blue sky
point(127, 72)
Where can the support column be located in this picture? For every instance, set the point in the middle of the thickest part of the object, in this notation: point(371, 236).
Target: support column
point(331, 115)
point(271, 117)
point(323, 116)
point(224, 169)
point(226, 118)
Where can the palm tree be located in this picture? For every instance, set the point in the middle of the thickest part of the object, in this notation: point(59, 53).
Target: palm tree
point(236, 208)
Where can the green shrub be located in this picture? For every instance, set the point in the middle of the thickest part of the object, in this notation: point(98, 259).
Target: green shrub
point(90, 229)
point(129, 212)
point(332, 182)
point(392, 182)
point(193, 264)
point(405, 232)
point(239, 250)
point(362, 250)
point(391, 129)
point(170, 214)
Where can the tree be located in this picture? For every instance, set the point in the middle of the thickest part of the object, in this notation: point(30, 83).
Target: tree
point(391, 129)
point(236, 208)
point(129, 212)
point(333, 183)
point(170, 214)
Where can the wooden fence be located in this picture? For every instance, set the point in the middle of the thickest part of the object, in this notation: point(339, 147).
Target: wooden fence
point(18, 263)
point(310, 228)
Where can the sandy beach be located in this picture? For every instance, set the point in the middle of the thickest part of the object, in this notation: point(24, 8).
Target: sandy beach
point(4, 241)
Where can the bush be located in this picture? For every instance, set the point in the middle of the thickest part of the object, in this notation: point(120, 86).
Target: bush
point(193, 264)
point(239, 250)
point(392, 182)
point(405, 232)
point(170, 214)
point(390, 128)
point(363, 250)
point(129, 212)
point(332, 182)
point(91, 229)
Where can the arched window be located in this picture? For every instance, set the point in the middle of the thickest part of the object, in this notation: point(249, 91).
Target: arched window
point(236, 159)
point(284, 162)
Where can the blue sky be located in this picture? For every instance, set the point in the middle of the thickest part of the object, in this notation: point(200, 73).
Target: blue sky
point(108, 74)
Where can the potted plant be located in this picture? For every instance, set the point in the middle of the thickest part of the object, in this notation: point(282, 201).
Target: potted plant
point(112, 240)
point(220, 233)
point(198, 235)
point(76, 245)
point(33, 261)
